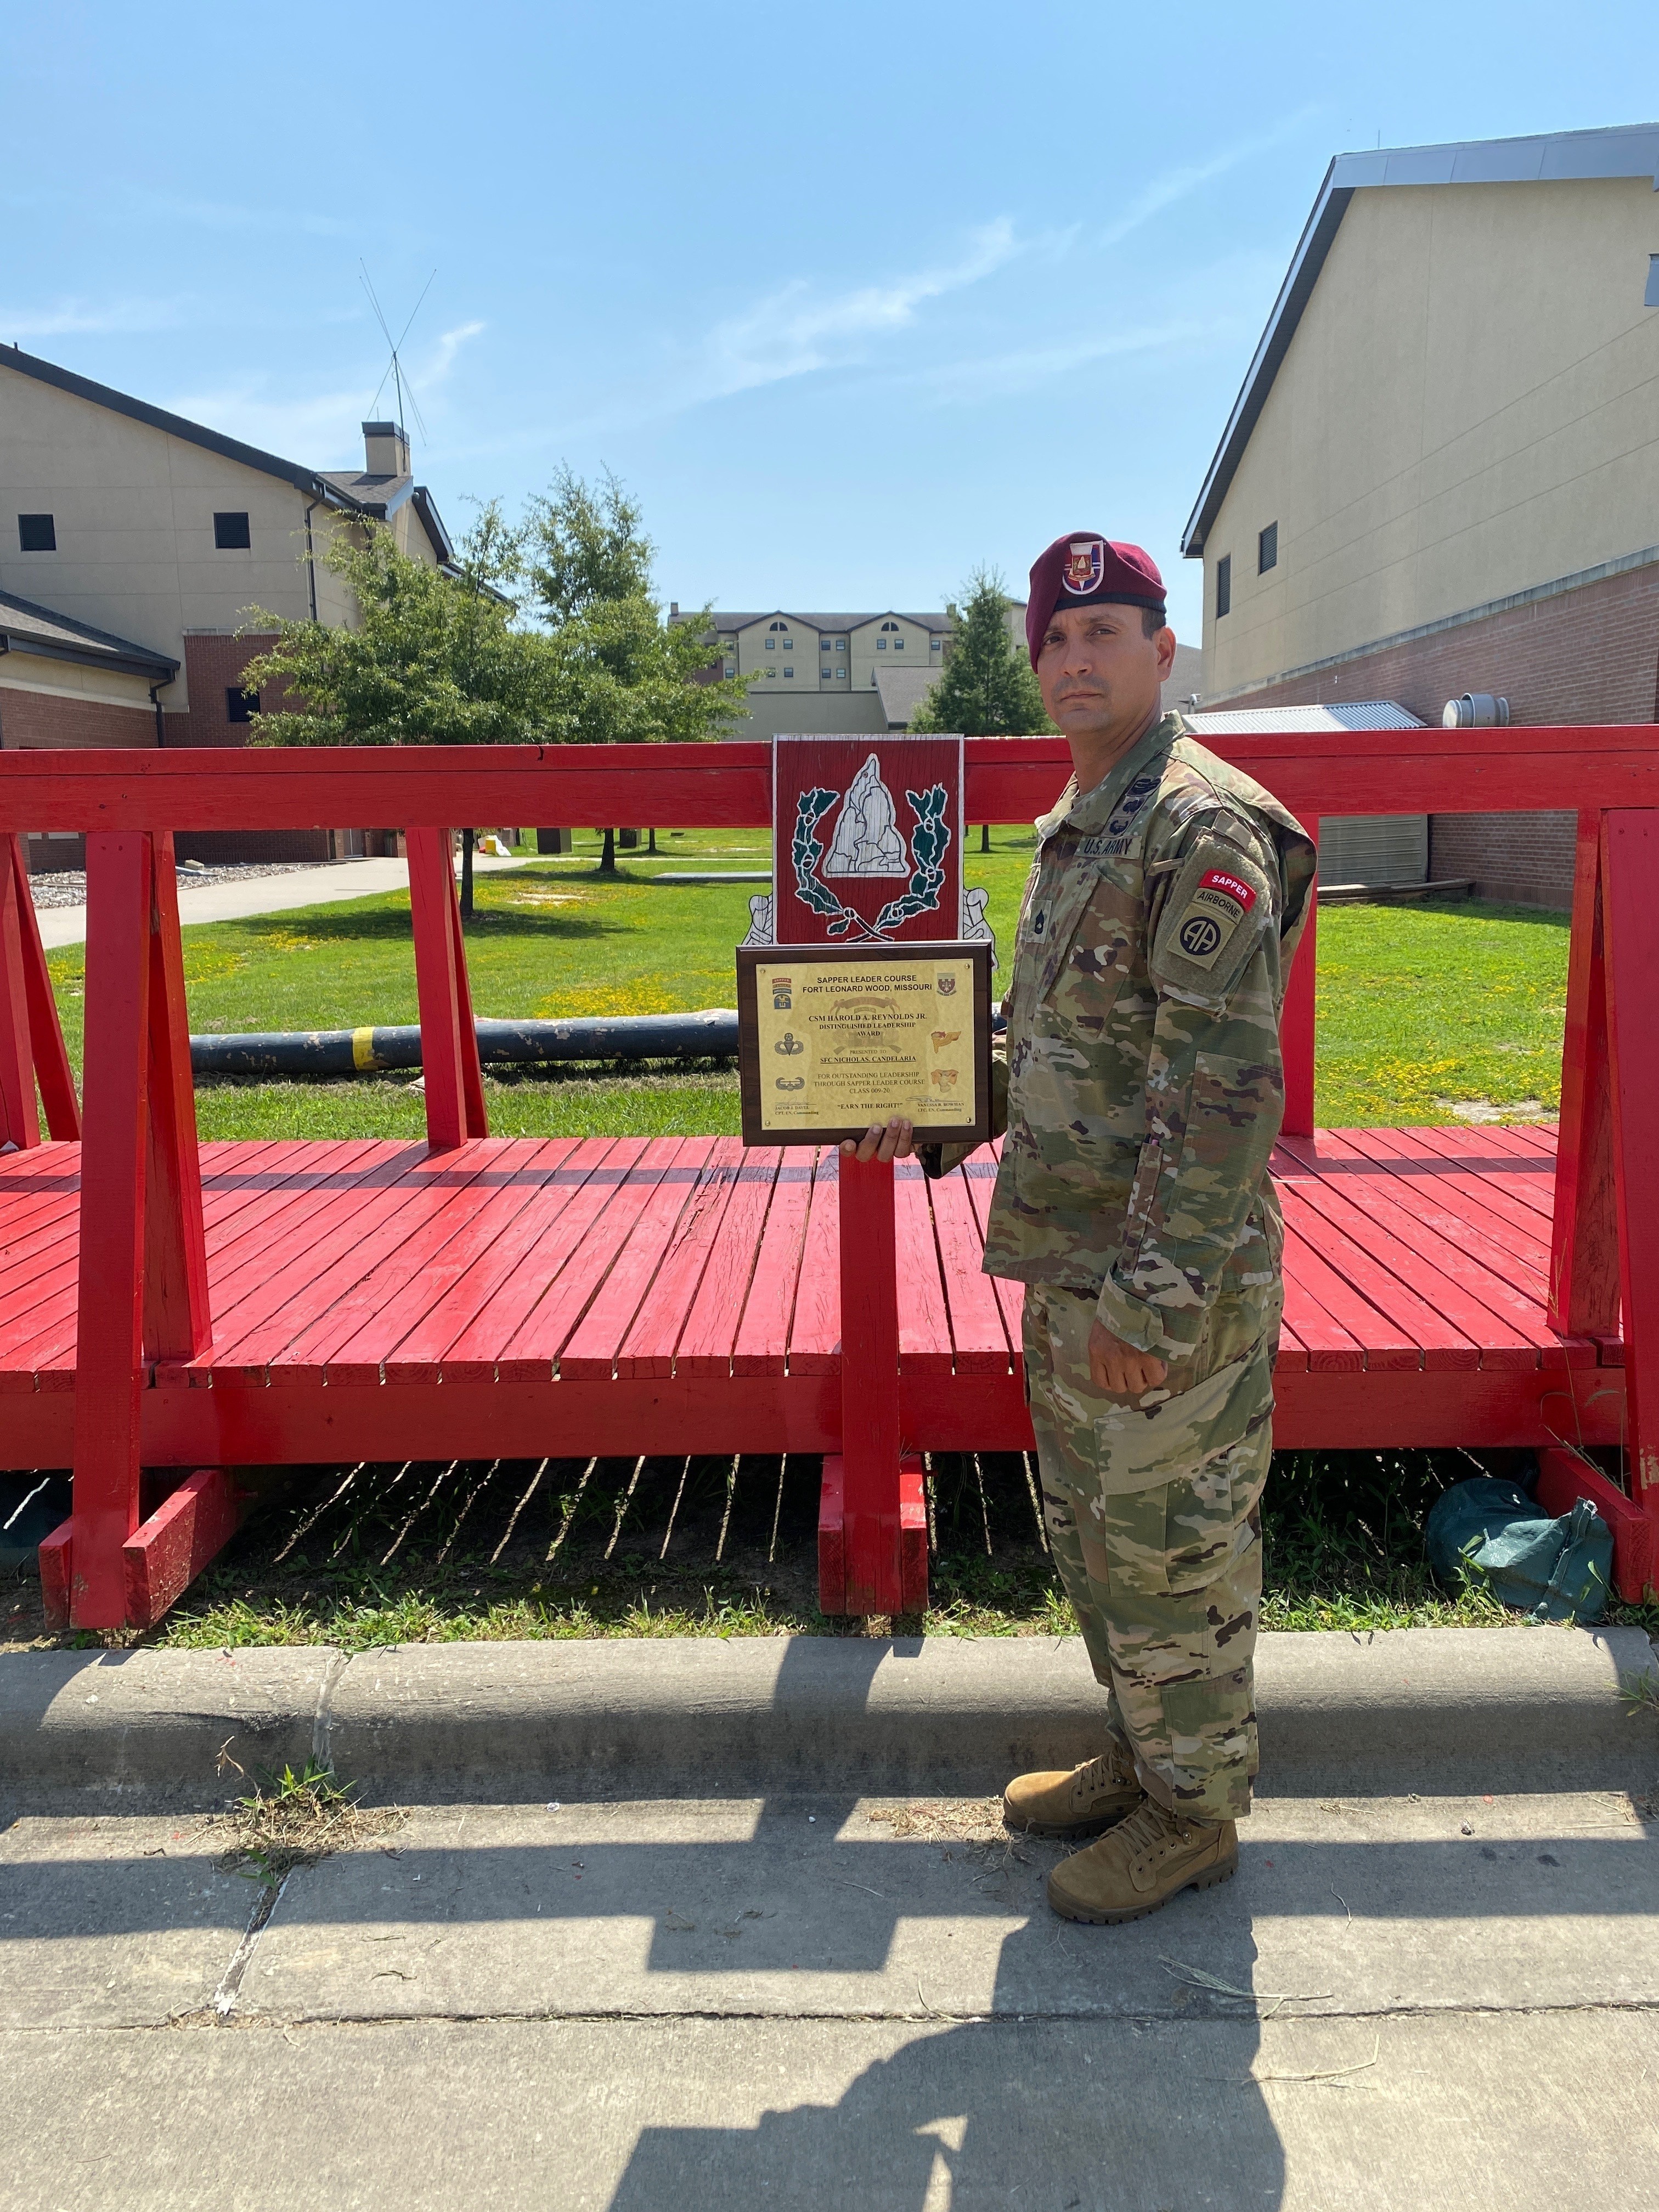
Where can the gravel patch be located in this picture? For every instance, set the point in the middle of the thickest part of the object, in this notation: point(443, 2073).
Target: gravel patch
point(68, 886)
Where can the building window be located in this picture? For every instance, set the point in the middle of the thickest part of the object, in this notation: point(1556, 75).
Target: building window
point(241, 705)
point(881, 645)
point(771, 673)
point(789, 672)
point(1651, 297)
point(898, 644)
point(230, 533)
point(1224, 586)
point(789, 645)
point(938, 644)
point(731, 668)
point(1266, 549)
point(36, 533)
point(771, 645)
point(840, 645)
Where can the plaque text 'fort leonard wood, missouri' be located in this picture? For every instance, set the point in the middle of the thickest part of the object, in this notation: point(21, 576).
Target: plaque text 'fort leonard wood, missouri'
point(834, 1038)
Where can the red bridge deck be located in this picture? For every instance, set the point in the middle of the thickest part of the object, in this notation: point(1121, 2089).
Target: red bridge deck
point(517, 1298)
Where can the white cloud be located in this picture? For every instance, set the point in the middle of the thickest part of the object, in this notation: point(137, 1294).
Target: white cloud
point(316, 430)
point(228, 216)
point(1176, 184)
point(793, 332)
point(1023, 369)
point(320, 429)
point(73, 317)
point(449, 345)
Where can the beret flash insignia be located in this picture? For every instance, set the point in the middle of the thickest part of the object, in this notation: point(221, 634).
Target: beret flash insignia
point(1085, 564)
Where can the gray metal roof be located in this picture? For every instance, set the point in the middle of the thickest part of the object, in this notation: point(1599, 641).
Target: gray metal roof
point(1630, 150)
point(1357, 714)
point(27, 628)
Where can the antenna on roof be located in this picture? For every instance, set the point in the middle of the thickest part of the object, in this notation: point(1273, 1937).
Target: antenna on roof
point(394, 368)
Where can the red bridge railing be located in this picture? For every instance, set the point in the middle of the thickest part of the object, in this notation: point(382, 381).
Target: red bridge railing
point(143, 1280)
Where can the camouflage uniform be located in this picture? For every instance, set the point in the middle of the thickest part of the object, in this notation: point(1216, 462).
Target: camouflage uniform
point(1145, 1093)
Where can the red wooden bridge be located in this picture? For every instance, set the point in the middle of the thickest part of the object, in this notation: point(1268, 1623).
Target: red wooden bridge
point(169, 1313)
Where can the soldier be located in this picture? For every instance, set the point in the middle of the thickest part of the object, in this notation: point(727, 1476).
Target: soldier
point(1144, 1093)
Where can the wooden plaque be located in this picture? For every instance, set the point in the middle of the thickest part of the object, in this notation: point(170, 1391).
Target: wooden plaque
point(867, 839)
point(832, 1037)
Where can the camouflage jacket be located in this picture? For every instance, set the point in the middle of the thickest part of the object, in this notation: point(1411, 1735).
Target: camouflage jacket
point(1144, 1083)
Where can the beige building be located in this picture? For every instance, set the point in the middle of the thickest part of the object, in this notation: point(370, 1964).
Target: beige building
point(849, 672)
point(131, 542)
point(1442, 475)
point(832, 671)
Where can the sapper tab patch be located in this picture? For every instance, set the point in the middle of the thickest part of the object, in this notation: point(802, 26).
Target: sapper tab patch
point(1218, 905)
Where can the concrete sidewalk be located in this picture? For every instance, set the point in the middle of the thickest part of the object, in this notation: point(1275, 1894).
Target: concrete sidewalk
point(611, 1989)
point(320, 886)
point(710, 2005)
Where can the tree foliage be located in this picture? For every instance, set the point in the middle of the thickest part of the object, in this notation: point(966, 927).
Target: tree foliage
point(544, 631)
point(987, 688)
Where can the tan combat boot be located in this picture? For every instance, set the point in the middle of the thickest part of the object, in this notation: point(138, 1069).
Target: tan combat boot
point(1071, 1806)
point(1141, 1864)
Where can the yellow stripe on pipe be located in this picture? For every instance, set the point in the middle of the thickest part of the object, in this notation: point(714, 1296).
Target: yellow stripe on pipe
point(362, 1048)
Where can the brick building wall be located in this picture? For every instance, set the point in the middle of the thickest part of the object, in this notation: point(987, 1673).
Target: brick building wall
point(55, 719)
point(1588, 654)
point(58, 718)
point(213, 668)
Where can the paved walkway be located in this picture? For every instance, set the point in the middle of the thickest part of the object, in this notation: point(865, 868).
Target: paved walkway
point(705, 2005)
point(321, 886)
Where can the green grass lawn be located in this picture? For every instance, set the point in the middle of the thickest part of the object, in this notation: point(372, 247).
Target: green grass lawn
point(1419, 1007)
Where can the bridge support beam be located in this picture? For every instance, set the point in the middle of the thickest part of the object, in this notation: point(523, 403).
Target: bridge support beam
point(873, 1520)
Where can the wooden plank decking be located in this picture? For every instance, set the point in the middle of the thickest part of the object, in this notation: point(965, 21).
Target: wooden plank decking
point(520, 1297)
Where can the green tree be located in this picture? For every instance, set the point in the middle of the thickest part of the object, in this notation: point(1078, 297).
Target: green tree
point(543, 632)
point(436, 657)
point(634, 678)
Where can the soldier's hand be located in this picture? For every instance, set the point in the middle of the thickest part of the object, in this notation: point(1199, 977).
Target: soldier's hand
point(1121, 1368)
point(891, 1140)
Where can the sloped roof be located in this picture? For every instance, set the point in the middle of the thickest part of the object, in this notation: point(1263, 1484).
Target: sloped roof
point(26, 627)
point(1631, 150)
point(902, 690)
point(334, 486)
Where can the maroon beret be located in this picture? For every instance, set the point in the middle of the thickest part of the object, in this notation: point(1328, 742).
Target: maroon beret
point(1082, 570)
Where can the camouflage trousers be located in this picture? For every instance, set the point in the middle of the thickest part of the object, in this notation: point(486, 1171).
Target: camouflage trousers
point(1153, 1516)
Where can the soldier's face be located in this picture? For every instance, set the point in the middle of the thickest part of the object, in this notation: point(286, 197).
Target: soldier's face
point(1099, 673)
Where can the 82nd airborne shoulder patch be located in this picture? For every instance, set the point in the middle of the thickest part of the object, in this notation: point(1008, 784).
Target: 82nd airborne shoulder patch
point(1219, 904)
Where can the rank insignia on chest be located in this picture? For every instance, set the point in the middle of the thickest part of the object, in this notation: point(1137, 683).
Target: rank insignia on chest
point(1218, 905)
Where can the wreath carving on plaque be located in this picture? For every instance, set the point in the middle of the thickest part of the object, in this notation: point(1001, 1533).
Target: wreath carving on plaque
point(929, 842)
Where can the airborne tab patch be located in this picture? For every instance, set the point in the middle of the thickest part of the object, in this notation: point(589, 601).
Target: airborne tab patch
point(1218, 905)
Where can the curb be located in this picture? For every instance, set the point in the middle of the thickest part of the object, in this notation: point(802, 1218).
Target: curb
point(1442, 1711)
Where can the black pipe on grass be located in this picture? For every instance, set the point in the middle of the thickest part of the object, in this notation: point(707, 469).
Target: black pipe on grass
point(710, 1034)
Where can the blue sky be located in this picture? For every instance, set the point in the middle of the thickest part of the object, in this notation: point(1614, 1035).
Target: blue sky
point(851, 298)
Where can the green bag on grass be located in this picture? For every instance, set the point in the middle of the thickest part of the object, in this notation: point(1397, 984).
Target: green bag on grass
point(1551, 1569)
